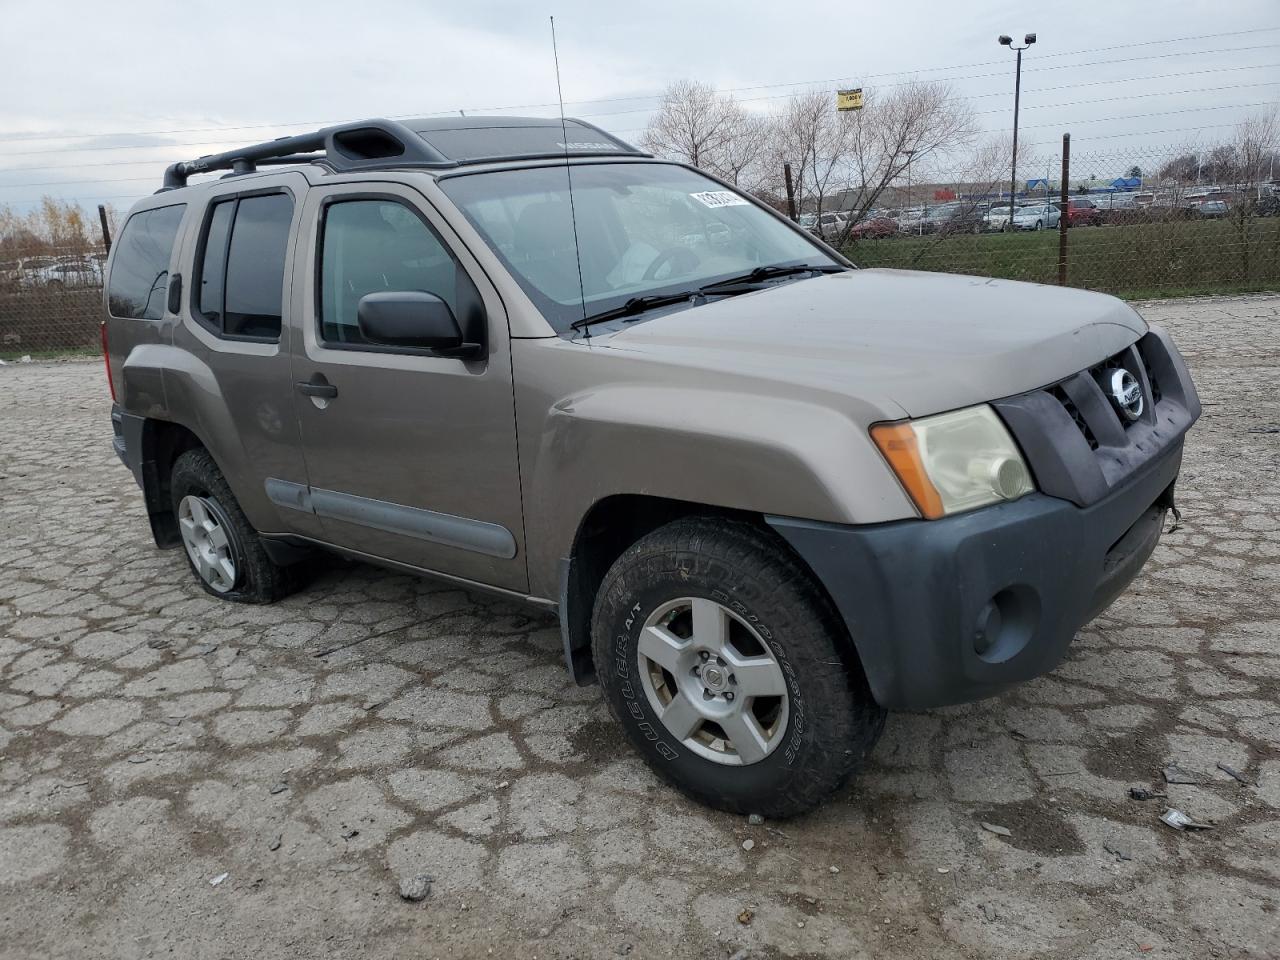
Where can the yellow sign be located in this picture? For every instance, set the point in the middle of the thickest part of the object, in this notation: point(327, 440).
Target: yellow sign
point(849, 99)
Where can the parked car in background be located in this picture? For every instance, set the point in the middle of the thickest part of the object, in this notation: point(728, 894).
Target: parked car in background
point(911, 220)
point(1082, 212)
point(65, 272)
point(808, 221)
point(830, 226)
point(996, 217)
point(874, 228)
point(1038, 217)
point(954, 218)
point(1267, 206)
point(1211, 208)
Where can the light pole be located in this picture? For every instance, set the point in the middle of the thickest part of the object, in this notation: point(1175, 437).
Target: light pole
point(1007, 41)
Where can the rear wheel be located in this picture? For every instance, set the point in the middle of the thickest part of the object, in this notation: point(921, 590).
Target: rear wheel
point(730, 671)
point(222, 549)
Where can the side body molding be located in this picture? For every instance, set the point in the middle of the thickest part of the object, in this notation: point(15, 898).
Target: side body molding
point(478, 536)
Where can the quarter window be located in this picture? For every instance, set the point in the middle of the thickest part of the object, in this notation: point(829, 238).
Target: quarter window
point(242, 266)
point(374, 245)
point(140, 271)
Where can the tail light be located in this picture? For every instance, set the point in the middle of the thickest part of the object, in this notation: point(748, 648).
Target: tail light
point(106, 360)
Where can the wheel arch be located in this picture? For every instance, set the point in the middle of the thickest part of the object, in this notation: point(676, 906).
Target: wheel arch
point(612, 525)
point(163, 442)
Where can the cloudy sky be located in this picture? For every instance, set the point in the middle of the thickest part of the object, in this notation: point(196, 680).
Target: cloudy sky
point(96, 98)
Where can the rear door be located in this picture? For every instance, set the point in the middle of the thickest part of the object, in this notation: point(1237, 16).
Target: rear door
point(230, 380)
point(411, 457)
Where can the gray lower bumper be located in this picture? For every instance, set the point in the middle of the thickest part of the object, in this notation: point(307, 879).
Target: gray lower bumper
point(126, 439)
point(946, 611)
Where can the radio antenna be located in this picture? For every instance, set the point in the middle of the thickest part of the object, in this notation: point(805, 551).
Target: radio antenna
point(568, 172)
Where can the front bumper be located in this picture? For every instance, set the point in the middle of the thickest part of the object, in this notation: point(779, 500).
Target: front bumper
point(952, 610)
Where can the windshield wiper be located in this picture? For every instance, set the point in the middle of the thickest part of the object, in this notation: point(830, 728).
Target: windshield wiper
point(636, 305)
point(773, 272)
point(720, 288)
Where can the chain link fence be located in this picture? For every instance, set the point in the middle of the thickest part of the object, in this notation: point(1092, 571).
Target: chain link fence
point(1172, 222)
point(1147, 223)
point(50, 298)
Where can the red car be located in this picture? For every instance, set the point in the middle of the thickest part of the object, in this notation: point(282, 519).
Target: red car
point(1083, 213)
point(874, 228)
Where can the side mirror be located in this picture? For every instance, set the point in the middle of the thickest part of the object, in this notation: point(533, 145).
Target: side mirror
point(411, 318)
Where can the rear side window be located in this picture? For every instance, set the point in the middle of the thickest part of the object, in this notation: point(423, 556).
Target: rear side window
point(140, 270)
point(242, 266)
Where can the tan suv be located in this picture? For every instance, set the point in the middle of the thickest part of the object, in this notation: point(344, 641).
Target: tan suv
point(769, 495)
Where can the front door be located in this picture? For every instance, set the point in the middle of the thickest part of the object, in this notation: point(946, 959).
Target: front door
point(410, 457)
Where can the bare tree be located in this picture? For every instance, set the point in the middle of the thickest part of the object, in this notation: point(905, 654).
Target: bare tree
point(693, 124)
point(743, 160)
point(917, 123)
point(809, 135)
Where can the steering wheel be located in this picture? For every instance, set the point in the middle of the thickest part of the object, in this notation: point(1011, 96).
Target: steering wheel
point(672, 256)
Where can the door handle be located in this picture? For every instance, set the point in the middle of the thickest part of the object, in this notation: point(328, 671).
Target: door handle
point(317, 386)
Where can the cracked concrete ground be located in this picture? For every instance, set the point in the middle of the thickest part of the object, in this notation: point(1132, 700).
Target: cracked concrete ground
point(375, 727)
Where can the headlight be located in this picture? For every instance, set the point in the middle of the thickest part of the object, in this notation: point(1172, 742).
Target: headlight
point(954, 461)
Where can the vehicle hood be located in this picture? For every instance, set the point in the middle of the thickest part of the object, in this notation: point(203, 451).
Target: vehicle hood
point(920, 342)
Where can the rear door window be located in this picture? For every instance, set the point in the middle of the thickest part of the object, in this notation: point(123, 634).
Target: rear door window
point(140, 272)
point(242, 266)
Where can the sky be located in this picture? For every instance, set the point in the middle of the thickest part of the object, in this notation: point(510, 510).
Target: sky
point(96, 99)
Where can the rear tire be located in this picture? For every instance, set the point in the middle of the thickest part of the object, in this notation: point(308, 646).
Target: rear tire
point(787, 688)
point(223, 551)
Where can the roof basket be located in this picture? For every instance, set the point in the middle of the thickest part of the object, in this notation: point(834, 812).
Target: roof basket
point(348, 146)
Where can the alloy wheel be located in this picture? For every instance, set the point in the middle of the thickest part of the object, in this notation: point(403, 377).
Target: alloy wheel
point(204, 534)
point(713, 681)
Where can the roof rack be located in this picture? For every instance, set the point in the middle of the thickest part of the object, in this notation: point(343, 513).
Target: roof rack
point(367, 144)
point(348, 146)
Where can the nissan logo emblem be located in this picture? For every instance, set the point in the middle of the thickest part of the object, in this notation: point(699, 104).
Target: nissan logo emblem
point(1126, 394)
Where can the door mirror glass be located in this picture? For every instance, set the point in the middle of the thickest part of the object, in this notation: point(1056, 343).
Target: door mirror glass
point(408, 318)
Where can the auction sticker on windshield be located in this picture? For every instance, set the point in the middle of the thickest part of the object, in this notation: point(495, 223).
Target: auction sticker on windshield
point(719, 198)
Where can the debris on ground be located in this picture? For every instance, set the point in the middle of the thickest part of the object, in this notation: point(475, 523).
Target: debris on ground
point(1235, 774)
point(417, 888)
point(216, 881)
point(989, 912)
point(275, 842)
point(137, 759)
point(835, 869)
point(349, 833)
point(995, 828)
point(748, 844)
point(1142, 793)
point(624, 949)
point(745, 916)
point(1116, 852)
point(944, 869)
point(742, 954)
point(755, 820)
point(1175, 774)
point(1263, 430)
point(1180, 821)
point(280, 787)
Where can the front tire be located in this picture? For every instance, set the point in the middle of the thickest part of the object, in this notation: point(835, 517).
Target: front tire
point(223, 551)
point(729, 669)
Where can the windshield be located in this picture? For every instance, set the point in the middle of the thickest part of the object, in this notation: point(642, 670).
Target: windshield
point(643, 229)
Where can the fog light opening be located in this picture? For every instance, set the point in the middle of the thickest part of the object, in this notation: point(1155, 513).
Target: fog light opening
point(1006, 624)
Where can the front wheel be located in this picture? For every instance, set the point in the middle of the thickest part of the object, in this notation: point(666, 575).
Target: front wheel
point(729, 669)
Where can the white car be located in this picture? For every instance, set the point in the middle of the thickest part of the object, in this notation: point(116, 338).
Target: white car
point(1038, 217)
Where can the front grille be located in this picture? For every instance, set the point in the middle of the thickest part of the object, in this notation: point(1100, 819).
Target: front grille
point(1076, 440)
point(1074, 413)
